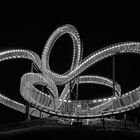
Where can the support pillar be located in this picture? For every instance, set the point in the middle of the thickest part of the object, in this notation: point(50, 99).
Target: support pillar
point(70, 88)
point(103, 121)
point(125, 121)
point(76, 95)
point(28, 117)
point(77, 88)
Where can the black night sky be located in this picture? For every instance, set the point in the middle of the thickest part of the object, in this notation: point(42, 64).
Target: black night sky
point(96, 31)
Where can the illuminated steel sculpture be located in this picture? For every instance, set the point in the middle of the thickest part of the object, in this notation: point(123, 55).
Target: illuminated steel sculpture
point(62, 105)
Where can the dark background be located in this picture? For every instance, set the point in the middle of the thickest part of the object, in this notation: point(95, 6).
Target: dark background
point(97, 28)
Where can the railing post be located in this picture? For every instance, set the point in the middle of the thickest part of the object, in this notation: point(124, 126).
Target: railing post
point(103, 121)
point(28, 111)
point(125, 121)
point(77, 88)
point(70, 87)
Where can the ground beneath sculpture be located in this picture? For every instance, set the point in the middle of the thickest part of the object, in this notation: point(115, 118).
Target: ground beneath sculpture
point(37, 129)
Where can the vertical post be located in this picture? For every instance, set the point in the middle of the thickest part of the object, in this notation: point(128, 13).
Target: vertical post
point(27, 111)
point(125, 120)
point(70, 97)
point(103, 121)
point(70, 90)
point(77, 88)
point(112, 116)
point(76, 96)
point(113, 73)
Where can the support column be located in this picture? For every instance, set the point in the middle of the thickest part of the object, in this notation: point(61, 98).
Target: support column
point(28, 117)
point(103, 121)
point(125, 121)
point(77, 88)
point(76, 94)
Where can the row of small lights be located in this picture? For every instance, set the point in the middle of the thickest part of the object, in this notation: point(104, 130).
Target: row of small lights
point(94, 101)
point(133, 91)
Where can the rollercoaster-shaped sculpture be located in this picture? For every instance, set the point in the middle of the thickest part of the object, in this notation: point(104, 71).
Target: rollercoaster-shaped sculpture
point(62, 105)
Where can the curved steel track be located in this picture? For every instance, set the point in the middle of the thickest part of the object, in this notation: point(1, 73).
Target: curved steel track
point(60, 105)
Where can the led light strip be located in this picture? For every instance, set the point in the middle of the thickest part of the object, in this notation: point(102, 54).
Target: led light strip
point(26, 54)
